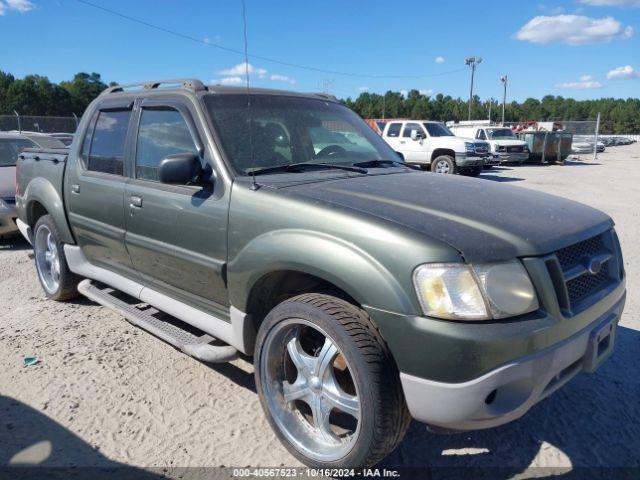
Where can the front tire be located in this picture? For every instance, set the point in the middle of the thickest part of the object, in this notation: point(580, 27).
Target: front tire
point(58, 282)
point(327, 383)
point(444, 164)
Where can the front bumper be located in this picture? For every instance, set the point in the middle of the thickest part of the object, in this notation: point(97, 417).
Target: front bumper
point(463, 160)
point(514, 157)
point(508, 392)
point(8, 216)
point(492, 160)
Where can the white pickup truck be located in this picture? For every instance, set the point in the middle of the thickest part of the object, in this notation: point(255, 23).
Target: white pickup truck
point(432, 145)
point(503, 141)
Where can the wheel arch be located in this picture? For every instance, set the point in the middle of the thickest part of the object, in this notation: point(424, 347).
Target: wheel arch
point(280, 264)
point(44, 199)
point(442, 151)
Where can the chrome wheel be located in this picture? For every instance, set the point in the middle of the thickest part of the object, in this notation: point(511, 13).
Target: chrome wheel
point(442, 166)
point(47, 259)
point(310, 391)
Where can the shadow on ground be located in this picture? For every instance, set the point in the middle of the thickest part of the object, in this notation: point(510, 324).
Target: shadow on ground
point(594, 421)
point(498, 178)
point(14, 243)
point(34, 446)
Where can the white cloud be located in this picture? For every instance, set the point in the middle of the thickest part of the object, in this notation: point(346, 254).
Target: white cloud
point(623, 73)
point(241, 69)
point(427, 93)
point(282, 78)
point(572, 30)
point(21, 6)
point(612, 3)
point(439, 59)
point(404, 93)
point(232, 81)
point(585, 82)
point(363, 89)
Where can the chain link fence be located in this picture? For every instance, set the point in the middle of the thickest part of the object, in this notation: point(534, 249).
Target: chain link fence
point(37, 123)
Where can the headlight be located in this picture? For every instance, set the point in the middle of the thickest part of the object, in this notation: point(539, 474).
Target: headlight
point(501, 148)
point(469, 147)
point(3, 205)
point(482, 292)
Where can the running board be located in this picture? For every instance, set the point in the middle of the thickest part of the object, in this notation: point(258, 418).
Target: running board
point(189, 340)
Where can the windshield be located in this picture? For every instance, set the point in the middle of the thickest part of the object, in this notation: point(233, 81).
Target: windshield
point(496, 133)
point(437, 130)
point(290, 130)
point(11, 148)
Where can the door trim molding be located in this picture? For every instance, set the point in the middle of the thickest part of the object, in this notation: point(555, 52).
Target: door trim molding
point(238, 331)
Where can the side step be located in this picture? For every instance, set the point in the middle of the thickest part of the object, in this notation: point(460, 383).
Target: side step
point(182, 336)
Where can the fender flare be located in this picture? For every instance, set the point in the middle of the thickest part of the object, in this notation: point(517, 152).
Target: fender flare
point(42, 191)
point(329, 258)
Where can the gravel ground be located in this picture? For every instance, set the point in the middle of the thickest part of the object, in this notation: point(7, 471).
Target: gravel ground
point(105, 393)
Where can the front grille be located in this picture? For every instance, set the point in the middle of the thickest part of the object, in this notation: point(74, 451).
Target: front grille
point(481, 148)
point(9, 200)
point(515, 149)
point(586, 269)
point(574, 254)
point(581, 287)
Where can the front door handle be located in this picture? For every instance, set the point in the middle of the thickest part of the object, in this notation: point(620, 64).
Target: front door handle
point(75, 188)
point(136, 201)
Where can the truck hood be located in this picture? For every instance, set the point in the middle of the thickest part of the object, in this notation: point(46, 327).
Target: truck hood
point(483, 220)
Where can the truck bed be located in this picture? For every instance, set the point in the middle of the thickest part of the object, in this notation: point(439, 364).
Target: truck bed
point(40, 170)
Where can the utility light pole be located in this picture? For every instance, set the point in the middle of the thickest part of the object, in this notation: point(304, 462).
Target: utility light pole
point(472, 62)
point(504, 80)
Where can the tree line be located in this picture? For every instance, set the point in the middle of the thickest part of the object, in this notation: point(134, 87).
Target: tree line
point(37, 95)
point(617, 116)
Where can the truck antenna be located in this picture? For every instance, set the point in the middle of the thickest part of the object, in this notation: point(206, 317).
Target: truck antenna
point(254, 185)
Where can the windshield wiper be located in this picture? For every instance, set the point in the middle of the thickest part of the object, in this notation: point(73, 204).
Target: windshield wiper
point(301, 166)
point(383, 163)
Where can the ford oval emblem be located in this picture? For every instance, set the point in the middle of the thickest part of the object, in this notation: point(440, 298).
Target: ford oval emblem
point(595, 266)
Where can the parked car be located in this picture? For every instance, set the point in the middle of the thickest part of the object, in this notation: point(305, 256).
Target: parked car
point(367, 292)
point(11, 144)
point(502, 140)
point(432, 145)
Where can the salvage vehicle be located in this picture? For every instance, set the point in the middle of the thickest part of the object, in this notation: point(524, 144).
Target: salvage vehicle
point(11, 144)
point(431, 145)
point(368, 293)
point(502, 139)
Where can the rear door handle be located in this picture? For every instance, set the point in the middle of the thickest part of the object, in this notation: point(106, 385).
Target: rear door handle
point(136, 202)
point(75, 188)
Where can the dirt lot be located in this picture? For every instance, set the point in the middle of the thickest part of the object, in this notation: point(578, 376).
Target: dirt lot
point(105, 393)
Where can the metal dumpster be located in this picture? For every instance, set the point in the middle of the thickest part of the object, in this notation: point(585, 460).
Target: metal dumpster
point(547, 147)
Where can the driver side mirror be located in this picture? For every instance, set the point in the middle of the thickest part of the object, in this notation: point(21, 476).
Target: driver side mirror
point(179, 169)
point(415, 135)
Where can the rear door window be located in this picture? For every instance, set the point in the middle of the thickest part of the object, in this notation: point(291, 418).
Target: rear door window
point(394, 130)
point(412, 126)
point(162, 132)
point(106, 154)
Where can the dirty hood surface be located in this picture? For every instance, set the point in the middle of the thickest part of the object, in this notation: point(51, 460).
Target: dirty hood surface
point(483, 220)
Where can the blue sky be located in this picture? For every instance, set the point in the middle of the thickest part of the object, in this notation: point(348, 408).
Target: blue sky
point(575, 48)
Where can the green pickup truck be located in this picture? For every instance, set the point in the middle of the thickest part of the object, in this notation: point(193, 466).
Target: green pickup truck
point(367, 292)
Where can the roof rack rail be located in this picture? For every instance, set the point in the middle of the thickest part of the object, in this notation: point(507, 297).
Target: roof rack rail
point(186, 83)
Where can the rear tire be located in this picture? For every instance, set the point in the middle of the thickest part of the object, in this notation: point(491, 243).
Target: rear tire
point(58, 282)
point(298, 394)
point(444, 164)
